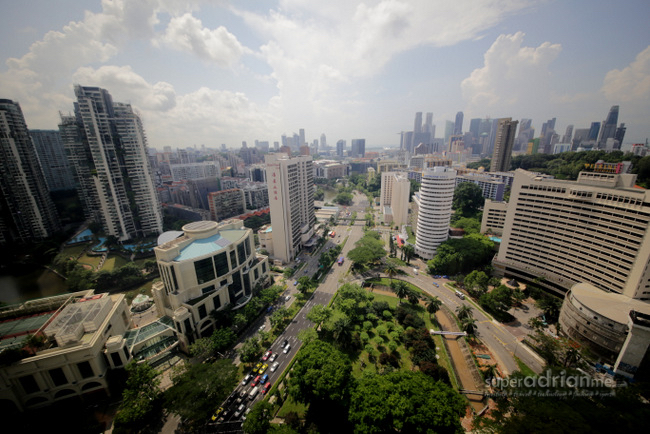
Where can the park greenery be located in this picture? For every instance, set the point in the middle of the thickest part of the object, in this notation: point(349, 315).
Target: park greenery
point(360, 344)
point(141, 399)
point(368, 252)
point(462, 255)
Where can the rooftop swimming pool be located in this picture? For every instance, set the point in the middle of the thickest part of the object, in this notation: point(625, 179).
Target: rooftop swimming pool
point(495, 239)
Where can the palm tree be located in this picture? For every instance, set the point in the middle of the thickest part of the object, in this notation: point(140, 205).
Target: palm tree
point(433, 306)
point(469, 326)
point(413, 296)
point(391, 270)
point(464, 311)
point(342, 330)
point(408, 252)
point(400, 289)
point(571, 357)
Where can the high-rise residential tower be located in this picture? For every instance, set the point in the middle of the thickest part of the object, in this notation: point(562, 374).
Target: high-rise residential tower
point(54, 161)
point(27, 212)
point(340, 148)
point(433, 203)
point(108, 146)
point(505, 139)
point(291, 199)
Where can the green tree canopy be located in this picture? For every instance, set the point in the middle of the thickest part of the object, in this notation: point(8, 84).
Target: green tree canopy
point(461, 255)
point(140, 397)
point(404, 401)
point(320, 373)
point(199, 389)
point(344, 199)
point(369, 249)
point(468, 199)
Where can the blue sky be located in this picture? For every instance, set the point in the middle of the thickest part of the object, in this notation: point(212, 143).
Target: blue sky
point(213, 72)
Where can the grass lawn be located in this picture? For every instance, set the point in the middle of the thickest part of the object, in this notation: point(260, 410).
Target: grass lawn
point(411, 236)
point(74, 251)
point(90, 260)
point(113, 262)
point(524, 369)
point(291, 405)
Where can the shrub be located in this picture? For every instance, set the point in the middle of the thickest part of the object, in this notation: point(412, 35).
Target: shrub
point(388, 315)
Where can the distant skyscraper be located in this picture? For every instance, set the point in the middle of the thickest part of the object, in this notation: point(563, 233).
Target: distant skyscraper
point(566, 138)
point(110, 159)
point(620, 134)
point(291, 199)
point(340, 148)
point(417, 125)
point(301, 132)
point(323, 142)
point(54, 162)
point(594, 130)
point(27, 212)
point(433, 203)
point(358, 149)
point(458, 125)
point(449, 130)
point(548, 130)
point(526, 134)
point(608, 128)
point(505, 138)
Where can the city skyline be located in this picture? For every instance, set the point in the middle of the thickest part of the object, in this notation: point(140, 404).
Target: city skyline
point(208, 74)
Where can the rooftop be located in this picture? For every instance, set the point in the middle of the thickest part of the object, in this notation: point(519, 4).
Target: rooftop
point(611, 305)
point(205, 246)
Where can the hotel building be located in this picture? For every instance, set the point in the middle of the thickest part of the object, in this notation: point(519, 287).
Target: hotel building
point(204, 268)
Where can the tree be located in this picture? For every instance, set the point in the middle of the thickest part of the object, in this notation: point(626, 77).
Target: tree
point(433, 305)
point(404, 401)
point(476, 283)
point(342, 330)
point(462, 255)
point(321, 374)
point(223, 339)
point(536, 323)
point(391, 246)
point(258, 420)
point(140, 397)
point(344, 199)
point(305, 284)
point(198, 389)
point(202, 348)
point(319, 314)
point(469, 326)
point(391, 270)
point(408, 252)
point(469, 225)
point(279, 316)
point(400, 288)
point(468, 199)
point(413, 296)
point(250, 350)
point(464, 311)
point(368, 251)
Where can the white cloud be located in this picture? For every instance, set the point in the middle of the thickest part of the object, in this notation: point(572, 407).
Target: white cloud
point(187, 33)
point(632, 83)
point(512, 77)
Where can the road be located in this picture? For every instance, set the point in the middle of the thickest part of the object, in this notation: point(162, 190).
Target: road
point(322, 295)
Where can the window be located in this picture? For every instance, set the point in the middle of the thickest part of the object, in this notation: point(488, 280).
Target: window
point(204, 270)
point(29, 384)
point(202, 311)
point(263, 267)
point(241, 253)
point(207, 289)
point(117, 361)
point(233, 259)
point(221, 264)
point(58, 377)
point(256, 274)
point(85, 370)
point(217, 302)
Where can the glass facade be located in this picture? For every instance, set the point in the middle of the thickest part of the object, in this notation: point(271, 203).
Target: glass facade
point(204, 270)
point(221, 264)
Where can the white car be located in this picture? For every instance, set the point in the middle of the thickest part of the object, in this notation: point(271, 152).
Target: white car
point(274, 366)
point(415, 270)
point(286, 349)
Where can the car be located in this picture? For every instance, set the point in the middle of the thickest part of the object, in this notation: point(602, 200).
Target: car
point(248, 410)
point(415, 270)
point(295, 283)
point(239, 411)
point(246, 379)
point(261, 329)
point(216, 414)
point(285, 343)
point(266, 387)
point(264, 379)
point(256, 380)
point(257, 367)
point(273, 357)
point(263, 368)
point(266, 356)
point(287, 349)
point(274, 366)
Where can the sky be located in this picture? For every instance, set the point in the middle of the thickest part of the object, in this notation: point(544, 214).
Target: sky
point(222, 72)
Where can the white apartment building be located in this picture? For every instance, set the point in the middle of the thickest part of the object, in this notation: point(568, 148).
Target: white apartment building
point(433, 203)
point(204, 268)
point(291, 199)
point(206, 169)
point(394, 198)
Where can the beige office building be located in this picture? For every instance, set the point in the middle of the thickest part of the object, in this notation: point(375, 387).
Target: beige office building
point(291, 199)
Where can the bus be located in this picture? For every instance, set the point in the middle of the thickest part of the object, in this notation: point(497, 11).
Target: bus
point(332, 234)
point(340, 261)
